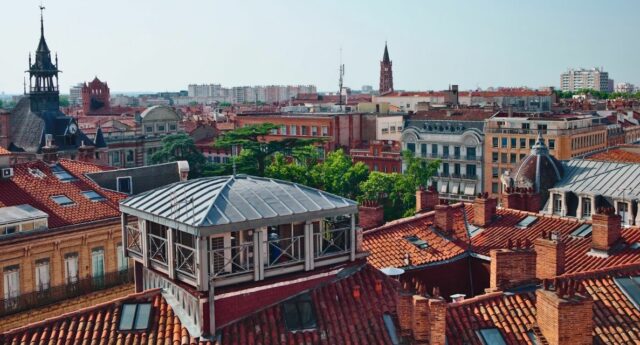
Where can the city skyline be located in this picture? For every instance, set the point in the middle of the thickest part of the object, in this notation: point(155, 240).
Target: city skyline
point(177, 45)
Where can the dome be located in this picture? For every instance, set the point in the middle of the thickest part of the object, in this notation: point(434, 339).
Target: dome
point(539, 170)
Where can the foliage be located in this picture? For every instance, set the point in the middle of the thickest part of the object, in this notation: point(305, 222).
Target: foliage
point(256, 152)
point(178, 147)
point(64, 100)
point(224, 104)
point(597, 94)
point(339, 175)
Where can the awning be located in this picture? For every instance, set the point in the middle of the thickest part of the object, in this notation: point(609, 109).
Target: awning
point(443, 187)
point(470, 189)
point(455, 187)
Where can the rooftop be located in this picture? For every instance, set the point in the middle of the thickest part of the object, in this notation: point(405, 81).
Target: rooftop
point(608, 179)
point(216, 204)
point(617, 155)
point(20, 213)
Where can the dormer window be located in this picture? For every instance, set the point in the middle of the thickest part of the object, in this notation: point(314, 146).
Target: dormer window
point(299, 313)
point(135, 317)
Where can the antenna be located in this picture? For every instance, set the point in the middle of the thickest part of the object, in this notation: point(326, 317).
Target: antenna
point(234, 153)
point(340, 81)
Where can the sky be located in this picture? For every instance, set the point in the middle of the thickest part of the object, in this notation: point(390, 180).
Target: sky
point(164, 45)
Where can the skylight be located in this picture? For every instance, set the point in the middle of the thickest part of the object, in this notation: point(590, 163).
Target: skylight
point(474, 230)
point(62, 200)
point(527, 222)
point(92, 195)
point(532, 337)
point(416, 241)
point(391, 328)
point(630, 286)
point(582, 231)
point(299, 313)
point(491, 336)
point(62, 174)
point(135, 317)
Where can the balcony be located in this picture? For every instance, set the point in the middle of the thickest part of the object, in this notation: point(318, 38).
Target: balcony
point(454, 176)
point(450, 157)
point(62, 292)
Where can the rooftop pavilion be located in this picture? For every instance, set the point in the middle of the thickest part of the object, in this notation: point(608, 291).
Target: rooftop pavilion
point(193, 236)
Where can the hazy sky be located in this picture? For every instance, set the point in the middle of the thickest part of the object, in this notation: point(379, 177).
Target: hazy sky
point(160, 45)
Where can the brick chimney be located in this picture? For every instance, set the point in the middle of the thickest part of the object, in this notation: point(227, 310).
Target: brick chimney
point(86, 153)
point(510, 199)
point(404, 306)
point(532, 201)
point(49, 150)
point(426, 200)
point(512, 266)
point(370, 214)
point(444, 218)
point(428, 322)
point(484, 208)
point(550, 256)
point(606, 229)
point(565, 316)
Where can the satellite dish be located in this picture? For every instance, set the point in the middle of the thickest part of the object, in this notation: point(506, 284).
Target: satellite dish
point(392, 271)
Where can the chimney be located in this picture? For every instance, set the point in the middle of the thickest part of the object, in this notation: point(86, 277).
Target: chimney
point(426, 200)
point(512, 266)
point(370, 214)
point(511, 199)
point(183, 170)
point(428, 321)
point(405, 312)
point(86, 153)
point(50, 150)
point(564, 316)
point(550, 256)
point(484, 208)
point(532, 201)
point(606, 230)
point(444, 218)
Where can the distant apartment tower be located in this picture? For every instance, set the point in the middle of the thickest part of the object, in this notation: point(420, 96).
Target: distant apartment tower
point(75, 94)
point(625, 88)
point(386, 73)
point(595, 79)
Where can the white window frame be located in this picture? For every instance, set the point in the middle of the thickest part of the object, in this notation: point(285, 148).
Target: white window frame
point(71, 269)
point(130, 184)
point(42, 275)
point(11, 281)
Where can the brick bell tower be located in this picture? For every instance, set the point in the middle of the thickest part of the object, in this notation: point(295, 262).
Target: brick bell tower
point(386, 73)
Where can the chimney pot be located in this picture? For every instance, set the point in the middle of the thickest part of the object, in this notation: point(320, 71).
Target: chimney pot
point(356, 292)
point(378, 287)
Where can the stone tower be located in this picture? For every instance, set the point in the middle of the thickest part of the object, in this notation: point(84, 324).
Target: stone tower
point(386, 73)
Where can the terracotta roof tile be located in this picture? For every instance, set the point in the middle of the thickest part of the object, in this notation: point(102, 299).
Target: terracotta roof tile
point(26, 188)
point(616, 155)
point(4, 152)
point(99, 325)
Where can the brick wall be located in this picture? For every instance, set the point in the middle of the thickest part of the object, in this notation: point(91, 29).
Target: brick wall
point(550, 258)
point(510, 267)
point(67, 306)
point(564, 321)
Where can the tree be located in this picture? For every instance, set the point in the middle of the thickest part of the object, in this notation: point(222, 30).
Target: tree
point(178, 147)
point(255, 151)
point(64, 100)
point(418, 169)
point(339, 175)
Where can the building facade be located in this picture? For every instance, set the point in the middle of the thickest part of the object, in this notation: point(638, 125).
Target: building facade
point(595, 79)
point(96, 98)
point(456, 138)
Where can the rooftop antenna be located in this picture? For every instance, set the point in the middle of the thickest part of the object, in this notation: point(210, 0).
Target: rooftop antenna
point(234, 153)
point(340, 80)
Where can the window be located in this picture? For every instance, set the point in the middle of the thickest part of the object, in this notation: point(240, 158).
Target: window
point(513, 143)
point(71, 268)
point(552, 144)
point(293, 130)
point(305, 130)
point(525, 126)
point(130, 156)
point(123, 264)
point(283, 130)
point(522, 156)
point(623, 211)
point(494, 157)
point(471, 170)
point(416, 241)
point(456, 151)
point(314, 131)
point(97, 263)
point(542, 128)
point(9, 229)
point(115, 157)
point(456, 169)
point(92, 195)
point(391, 328)
point(149, 129)
point(11, 284)
point(172, 127)
point(490, 336)
point(160, 127)
point(512, 158)
point(586, 207)
point(273, 131)
point(557, 204)
point(526, 222)
point(62, 174)
point(42, 275)
point(471, 153)
point(125, 185)
point(434, 149)
point(503, 157)
point(62, 200)
point(423, 150)
point(445, 151)
point(582, 231)
point(299, 313)
point(411, 147)
point(630, 286)
point(532, 142)
point(325, 131)
point(504, 142)
point(523, 143)
point(494, 172)
point(495, 142)
point(392, 129)
point(135, 317)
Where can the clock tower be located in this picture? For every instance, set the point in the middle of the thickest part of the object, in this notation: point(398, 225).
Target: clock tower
point(43, 76)
point(386, 73)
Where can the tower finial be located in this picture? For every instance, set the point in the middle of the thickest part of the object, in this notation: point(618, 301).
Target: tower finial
point(41, 19)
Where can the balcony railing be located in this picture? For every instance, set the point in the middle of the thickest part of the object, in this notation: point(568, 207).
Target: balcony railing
point(456, 176)
point(185, 260)
point(332, 242)
point(158, 249)
point(553, 131)
point(285, 251)
point(450, 157)
point(239, 260)
point(134, 239)
point(62, 292)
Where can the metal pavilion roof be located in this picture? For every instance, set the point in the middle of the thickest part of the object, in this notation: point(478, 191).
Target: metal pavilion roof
point(608, 179)
point(218, 204)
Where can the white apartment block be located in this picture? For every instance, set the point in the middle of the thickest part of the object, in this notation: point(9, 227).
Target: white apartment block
point(594, 78)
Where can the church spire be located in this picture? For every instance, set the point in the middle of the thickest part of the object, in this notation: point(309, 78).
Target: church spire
point(385, 57)
point(43, 75)
point(386, 73)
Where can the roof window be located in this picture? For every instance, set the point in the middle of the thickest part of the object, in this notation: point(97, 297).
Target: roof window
point(491, 336)
point(527, 222)
point(416, 241)
point(92, 195)
point(135, 317)
point(582, 231)
point(62, 174)
point(62, 200)
point(630, 286)
point(299, 313)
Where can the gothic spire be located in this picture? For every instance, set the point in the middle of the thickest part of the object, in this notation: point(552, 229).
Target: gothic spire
point(42, 46)
point(385, 57)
